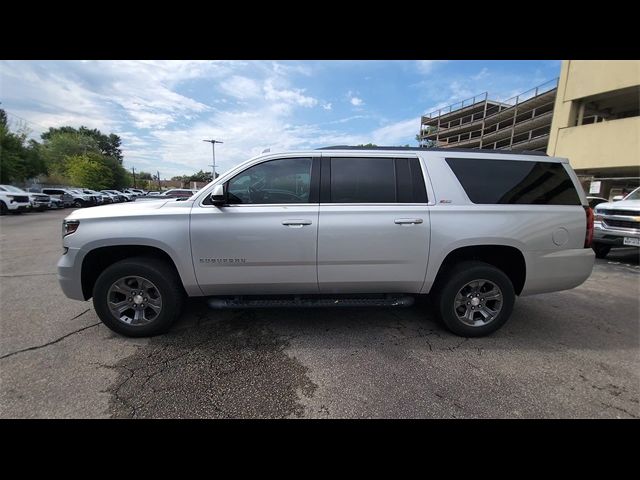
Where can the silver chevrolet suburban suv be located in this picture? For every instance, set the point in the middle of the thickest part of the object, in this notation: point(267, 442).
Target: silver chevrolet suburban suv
point(340, 226)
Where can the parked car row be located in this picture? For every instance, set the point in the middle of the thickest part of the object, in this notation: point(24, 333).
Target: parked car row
point(16, 200)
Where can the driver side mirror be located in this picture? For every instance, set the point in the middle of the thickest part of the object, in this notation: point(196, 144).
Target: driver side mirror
point(218, 196)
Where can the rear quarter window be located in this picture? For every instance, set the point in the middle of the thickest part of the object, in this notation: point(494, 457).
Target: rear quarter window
point(514, 182)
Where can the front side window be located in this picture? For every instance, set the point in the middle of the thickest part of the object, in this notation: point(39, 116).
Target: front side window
point(277, 181)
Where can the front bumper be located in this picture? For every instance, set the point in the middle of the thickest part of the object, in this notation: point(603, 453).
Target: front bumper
point(70, 274)
point(614, 237)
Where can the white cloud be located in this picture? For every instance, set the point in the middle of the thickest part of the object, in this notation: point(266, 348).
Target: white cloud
point(427, 66)
point(162, 125)
point(241, 87)
point(294, 96)
point(481, 74)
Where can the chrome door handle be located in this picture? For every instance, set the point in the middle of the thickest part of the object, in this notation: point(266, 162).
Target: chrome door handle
point(405, 221)
point(296, 223)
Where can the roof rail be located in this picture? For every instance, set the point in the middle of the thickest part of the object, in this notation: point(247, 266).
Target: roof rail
point(439, 149)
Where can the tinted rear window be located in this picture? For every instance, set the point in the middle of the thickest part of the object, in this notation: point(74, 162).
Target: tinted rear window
point(514, 182)
point(375, 180)
point(363, 180)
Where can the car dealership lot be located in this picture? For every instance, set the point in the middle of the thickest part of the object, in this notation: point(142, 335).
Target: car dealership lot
point(567, 354)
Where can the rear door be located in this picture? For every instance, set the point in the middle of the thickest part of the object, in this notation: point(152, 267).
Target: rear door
point(373, 234)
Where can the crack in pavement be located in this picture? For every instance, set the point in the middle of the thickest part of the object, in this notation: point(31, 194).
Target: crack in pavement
point(52, 342)
point(25, 275)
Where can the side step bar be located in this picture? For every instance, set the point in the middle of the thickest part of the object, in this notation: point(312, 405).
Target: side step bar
point(219, 303)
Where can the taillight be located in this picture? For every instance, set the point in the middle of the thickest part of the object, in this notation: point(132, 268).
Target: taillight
point(588, 237)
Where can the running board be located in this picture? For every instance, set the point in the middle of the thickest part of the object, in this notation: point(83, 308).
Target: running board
point(218, 303)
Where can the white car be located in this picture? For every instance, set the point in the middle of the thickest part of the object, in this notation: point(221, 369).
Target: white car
point(13, 200)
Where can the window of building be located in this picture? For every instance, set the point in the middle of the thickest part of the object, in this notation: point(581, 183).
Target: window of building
point(614, 105)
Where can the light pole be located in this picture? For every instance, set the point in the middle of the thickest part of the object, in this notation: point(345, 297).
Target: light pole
point(213, 146)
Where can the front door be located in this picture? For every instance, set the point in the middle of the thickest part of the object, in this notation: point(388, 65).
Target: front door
point(264, 241)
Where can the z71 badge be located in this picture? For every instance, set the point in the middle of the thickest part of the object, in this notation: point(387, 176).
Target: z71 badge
point(223, 260)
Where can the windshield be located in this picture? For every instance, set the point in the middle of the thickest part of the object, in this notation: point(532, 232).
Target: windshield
point(635, 195)
point(11, 188)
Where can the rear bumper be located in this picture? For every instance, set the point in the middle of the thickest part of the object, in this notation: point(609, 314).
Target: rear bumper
point(554, 271)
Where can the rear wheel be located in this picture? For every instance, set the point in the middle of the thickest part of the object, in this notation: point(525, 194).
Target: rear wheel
point(601, 249)
point(474, 299)
point(138, 297)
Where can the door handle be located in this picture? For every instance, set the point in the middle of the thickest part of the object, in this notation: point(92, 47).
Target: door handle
point(296, 223)
point(405, 221)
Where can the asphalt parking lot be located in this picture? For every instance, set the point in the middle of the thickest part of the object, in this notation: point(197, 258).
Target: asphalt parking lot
point(562, 355)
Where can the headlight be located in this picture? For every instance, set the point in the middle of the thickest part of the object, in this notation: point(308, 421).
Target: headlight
point(69, 227)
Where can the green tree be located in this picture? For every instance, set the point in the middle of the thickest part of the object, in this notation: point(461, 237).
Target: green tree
point(108, 145)
point(19, 159)
point(88, 170)
point(201, 176)
point(58, 145)
point(62, 144)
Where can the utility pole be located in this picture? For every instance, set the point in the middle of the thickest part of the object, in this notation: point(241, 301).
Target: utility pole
point(133, 170)
point(159, 186)
point(213, 146)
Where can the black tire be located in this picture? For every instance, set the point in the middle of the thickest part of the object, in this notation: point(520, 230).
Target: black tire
point(454, 279)
point(601, 249)
point(78, 203)
point(3, 208)
point(162, 275)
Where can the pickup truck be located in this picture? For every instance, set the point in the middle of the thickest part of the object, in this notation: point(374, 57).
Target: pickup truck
point(13, 200)
point(617, 224)
point(340, 226)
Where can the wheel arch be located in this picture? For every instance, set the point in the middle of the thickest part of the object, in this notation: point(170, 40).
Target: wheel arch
point(507, 258)
point(96, 260)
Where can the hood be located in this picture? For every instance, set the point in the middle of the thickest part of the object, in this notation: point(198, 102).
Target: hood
point(621, 205)
point(117, 210)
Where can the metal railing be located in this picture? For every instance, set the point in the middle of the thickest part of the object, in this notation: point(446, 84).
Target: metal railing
point(467, 102)
point(488, 111)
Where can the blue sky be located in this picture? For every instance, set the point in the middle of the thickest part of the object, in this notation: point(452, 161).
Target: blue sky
point(163, 109)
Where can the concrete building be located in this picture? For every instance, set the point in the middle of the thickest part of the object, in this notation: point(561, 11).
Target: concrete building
point(522, 122)
point(596, 123)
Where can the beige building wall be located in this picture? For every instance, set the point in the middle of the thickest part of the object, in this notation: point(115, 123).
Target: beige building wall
point(613, 144)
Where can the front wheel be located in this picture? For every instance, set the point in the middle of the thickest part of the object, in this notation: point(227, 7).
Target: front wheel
point(474, 299)
point(138, 297)
point(3, 208)
point(601, 250)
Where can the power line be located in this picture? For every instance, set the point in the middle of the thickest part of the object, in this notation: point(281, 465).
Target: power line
point(25, 120)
